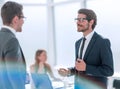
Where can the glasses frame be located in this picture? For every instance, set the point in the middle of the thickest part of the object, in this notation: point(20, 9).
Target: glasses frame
point(80, 19)
point(23, 17)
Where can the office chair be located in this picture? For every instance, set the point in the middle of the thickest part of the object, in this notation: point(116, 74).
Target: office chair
point(116, 84)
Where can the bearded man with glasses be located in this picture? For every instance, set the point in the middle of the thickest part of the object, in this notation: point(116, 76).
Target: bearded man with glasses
point(94, 59)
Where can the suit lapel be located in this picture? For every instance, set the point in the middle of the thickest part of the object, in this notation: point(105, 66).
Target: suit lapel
point(90, 46)
point(22, 56)
point(77, 47)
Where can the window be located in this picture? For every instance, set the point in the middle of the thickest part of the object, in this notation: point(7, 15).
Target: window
point(108, 16)
point(29, 1)
point(66, 33)
point(60, 0)
point(34, 34)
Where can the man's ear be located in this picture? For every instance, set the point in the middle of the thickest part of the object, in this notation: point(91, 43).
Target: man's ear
point(91, 22)
point(15, 20)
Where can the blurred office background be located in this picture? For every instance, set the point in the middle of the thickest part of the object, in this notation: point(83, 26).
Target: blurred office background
point(50, 25)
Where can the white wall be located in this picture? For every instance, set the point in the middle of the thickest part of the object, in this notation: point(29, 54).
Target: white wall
point(66, 33)
point(34, 34)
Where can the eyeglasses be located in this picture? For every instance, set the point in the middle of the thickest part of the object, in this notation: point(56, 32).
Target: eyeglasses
point(21, 16)
point(80, 19)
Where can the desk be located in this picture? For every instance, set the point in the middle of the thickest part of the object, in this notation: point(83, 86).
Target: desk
point(62, 85)
point(57, 85)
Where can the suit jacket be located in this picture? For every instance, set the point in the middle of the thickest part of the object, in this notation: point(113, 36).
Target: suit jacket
point(12, 62)
point(99, 60)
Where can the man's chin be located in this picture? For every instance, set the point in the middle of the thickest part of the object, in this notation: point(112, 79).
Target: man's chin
point(79, 30)
point(20, 30)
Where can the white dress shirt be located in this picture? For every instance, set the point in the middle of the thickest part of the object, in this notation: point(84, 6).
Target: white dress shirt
point(88, 38)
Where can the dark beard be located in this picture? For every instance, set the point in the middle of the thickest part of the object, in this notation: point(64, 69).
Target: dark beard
point(87, 28)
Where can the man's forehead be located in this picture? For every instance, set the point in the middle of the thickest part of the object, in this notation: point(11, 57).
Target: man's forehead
point(82, 15)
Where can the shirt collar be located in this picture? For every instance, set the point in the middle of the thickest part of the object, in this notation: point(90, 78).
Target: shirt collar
point(89, 36)
point(9, 28)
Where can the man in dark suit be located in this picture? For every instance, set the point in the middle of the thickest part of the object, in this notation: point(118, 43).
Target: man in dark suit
point(94, 60)
point(12, 62)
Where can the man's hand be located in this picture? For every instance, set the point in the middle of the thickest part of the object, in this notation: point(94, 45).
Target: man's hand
point(80, 65)
point(63, 72)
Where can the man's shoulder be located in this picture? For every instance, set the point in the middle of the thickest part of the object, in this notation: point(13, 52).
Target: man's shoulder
point(6, 33)
point(100, 37)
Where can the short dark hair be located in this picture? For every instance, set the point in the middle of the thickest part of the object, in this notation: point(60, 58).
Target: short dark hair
point(90, 15)
point(9, 10)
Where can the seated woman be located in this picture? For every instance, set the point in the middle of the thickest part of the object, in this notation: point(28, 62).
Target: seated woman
point(39, 71)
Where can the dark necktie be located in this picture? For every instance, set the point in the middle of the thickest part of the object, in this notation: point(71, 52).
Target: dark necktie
point(82, 46)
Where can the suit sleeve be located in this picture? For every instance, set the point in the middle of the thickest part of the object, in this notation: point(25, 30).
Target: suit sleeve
point(14, 66)
point(106, 65)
